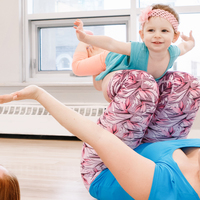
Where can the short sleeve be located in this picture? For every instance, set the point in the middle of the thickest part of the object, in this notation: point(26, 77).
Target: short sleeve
point(139, 56)
point(174, 52)
point(163, 183)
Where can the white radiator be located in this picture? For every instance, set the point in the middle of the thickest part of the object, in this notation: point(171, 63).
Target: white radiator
point(35, 120)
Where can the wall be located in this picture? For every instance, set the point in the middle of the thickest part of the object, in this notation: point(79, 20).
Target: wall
point(11, 59)
point(9, 41)
point(10, 62)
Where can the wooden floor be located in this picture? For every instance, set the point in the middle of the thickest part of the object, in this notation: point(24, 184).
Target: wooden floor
point(46, 169)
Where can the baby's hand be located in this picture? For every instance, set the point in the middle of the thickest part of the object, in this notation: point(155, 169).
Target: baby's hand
point(79, 24)
point(80, 34)
point(186, 38)
point(92, 50)
point(187, 44)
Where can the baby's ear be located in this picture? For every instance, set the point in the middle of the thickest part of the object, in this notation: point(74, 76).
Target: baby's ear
point(141, 34)
point(176, 36)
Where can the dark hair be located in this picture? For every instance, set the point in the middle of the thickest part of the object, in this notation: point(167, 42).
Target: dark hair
point(166, 8)
point(9, 187)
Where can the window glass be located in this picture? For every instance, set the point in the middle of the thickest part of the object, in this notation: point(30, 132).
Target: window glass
point(51, 6)
point(57, 45)
point(145, 3)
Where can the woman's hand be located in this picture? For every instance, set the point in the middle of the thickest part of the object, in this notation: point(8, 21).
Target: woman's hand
point(30, 92)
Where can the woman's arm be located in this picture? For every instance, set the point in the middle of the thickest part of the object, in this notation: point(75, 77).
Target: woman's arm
point(187, 44)
point(133, 172)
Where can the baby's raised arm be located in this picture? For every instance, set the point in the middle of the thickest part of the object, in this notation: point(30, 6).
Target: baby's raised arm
point(187, 44)
point(103, 42)
point(81, 47)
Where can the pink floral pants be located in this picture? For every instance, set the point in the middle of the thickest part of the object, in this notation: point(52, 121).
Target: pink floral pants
point(143, 110)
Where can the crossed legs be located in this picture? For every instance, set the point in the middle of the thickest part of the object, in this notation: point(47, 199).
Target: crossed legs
point(144, 111)
point(178, 104)
point(134, 96)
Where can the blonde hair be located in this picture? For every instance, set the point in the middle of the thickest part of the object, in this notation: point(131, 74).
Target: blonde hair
point(9, 187)
point(166, 8)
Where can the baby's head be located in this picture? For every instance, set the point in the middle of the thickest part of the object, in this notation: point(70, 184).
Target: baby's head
point(9, 186)
point(160, 10)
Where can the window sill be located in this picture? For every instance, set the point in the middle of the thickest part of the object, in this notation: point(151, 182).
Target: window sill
point(48, 84)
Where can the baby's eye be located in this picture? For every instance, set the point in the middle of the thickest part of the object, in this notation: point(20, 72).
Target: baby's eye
point(164, 30)
point(150, 30)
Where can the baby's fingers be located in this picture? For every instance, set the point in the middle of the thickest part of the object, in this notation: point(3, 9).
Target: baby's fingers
point(191, 36)
point(79, 31)
point(78, 22)
point(184, 37)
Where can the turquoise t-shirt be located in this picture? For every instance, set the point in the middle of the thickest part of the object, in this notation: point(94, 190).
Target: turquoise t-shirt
point(168, 181)
point(137, 60)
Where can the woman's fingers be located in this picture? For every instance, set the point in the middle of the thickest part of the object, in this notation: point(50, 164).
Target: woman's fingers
point(6, 98)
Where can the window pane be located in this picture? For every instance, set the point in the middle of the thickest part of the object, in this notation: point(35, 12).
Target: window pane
point(50, 6)
point(190, 62)
point(145, 3)
point(57, 45)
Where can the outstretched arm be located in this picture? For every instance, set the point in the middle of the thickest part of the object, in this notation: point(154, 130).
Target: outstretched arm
point(103, 42)
point(84, 62)
point(187, 44)
point(81, 47)
point(133, 172)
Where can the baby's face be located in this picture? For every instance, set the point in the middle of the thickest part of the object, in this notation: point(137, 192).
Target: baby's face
point(92, 50)
point(157, 34)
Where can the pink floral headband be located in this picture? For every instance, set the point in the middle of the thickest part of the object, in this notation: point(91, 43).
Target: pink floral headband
point(148, 12)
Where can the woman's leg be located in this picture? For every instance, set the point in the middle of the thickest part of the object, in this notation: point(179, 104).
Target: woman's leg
point(132, 171)
point(134, 96)
point(177, 107)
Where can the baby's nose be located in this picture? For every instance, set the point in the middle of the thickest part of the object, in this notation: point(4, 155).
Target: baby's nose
point(157, 34)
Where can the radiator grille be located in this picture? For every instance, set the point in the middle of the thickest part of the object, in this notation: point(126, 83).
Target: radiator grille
point(37, 110)
point(36, 120)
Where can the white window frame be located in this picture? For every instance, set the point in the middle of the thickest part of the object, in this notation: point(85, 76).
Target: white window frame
point(36, 25)
point(31, 23)
point(31, 41)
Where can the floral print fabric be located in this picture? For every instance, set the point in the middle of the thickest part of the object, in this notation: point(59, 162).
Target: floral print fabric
point(143, 110)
